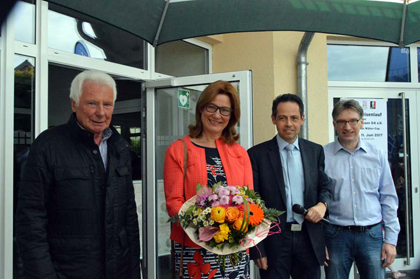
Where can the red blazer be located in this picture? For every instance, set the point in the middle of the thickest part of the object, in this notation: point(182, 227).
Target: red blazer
point(235, 162)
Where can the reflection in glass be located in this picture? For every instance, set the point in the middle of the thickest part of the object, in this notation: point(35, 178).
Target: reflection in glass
point(23, 134)
point(24, 13)
point(72, 32)
point(368, 63)
point(172, 124)
point(181, 59)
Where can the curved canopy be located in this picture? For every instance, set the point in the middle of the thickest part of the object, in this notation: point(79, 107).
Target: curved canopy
point(181, 19)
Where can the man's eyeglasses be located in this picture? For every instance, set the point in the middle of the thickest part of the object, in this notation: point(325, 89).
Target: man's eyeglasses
point(223, 110)
point(343, 123)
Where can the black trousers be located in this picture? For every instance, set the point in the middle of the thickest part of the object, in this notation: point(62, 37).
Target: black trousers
point(295, 258)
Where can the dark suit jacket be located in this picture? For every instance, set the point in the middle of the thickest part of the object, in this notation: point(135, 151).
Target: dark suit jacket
point(269, 182)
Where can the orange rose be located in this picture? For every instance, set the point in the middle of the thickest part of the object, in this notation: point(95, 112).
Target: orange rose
point(238, 224)
point(232, 213)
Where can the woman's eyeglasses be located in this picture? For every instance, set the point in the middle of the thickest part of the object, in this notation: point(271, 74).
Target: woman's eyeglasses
point(223, 110)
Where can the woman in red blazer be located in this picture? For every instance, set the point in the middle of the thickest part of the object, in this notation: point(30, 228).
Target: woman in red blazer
point(213, 156)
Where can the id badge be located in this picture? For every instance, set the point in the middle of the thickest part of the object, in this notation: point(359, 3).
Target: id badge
point(296, 227)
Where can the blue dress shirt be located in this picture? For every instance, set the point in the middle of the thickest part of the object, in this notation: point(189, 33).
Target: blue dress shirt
point(299, 176)
point(363, 192)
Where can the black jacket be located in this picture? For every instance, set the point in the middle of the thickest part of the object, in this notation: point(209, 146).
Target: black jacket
point(74, 218)
point(269, 182)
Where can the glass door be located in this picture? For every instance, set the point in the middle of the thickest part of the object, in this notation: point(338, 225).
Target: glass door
point(170, 109)
point(391, 124)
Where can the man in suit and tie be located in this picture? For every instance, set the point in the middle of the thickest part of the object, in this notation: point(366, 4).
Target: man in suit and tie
point(287, 171)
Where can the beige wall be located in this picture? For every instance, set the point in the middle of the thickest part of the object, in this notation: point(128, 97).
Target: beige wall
point(272, 58)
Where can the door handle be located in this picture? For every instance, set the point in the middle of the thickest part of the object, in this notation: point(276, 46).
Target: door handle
point(407, 206)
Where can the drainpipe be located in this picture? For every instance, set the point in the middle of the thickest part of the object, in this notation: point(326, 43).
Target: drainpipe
point(302, 64)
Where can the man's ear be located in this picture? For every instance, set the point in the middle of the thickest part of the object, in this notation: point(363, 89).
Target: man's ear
point(273, 119)
point(303, 117)
point(73, 106)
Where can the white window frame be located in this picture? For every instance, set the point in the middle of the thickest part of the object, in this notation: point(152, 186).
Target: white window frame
point(413, 66)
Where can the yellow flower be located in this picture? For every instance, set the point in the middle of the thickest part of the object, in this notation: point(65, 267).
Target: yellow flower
point(218, 214)
point(224, 228)
point(223, 234)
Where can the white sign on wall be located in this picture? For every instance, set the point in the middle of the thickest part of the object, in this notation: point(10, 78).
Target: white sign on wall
point(375, 129)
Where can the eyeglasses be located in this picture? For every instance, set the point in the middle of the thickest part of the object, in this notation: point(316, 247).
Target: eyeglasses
point(223, 110)
point(343, 123)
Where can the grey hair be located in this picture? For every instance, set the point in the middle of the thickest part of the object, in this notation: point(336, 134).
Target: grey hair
point(90, 75)
point(346, 104)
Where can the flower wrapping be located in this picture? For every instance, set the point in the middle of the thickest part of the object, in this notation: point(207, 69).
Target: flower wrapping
point(257, 235)
point(226, 220)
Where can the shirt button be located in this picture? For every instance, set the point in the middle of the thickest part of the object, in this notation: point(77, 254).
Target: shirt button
point(354, 193)
point(95, 151)
point(355, 206)
point(352, 180)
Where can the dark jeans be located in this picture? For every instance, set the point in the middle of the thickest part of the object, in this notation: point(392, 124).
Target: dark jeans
point(295, 257)
point(346, 247)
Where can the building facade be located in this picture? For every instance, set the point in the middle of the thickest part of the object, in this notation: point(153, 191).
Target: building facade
point(42, 48)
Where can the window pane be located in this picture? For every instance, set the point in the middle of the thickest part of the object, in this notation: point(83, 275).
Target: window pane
point(368, 63)
point(25, 21)
point(171, 124)
point(76, 33)
point(23, 135)
point(418, 62)
point(181, 59)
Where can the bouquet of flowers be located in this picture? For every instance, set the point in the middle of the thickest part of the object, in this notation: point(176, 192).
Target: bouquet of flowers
point(226, 220)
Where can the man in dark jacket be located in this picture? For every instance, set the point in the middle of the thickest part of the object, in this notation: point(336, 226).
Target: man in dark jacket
point(76, 215)
point(289, 170)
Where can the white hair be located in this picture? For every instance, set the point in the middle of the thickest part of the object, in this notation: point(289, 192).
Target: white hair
point(90, 75)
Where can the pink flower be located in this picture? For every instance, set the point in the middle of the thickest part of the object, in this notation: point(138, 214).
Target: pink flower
point(216, 203)
point(232, 189)
point(238, 200)
point(213, 197)
point(218, 189)
point(203, 192)
point(224, 200)
point(207, 233)
point(223, 192)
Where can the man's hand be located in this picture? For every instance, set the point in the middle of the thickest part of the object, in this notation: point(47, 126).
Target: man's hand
point(261, 263)
point(388, 254)
point(316, 213)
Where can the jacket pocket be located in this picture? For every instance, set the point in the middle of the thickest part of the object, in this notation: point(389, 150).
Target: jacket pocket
point(74, 188)
point(123, 181)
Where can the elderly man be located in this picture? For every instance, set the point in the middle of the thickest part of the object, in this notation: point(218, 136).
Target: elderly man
point(76, 215)
point(364, 200)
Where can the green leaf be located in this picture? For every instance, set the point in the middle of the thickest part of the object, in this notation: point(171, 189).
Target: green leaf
point(198, 187)
point(190, 210)
point(214, 187)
